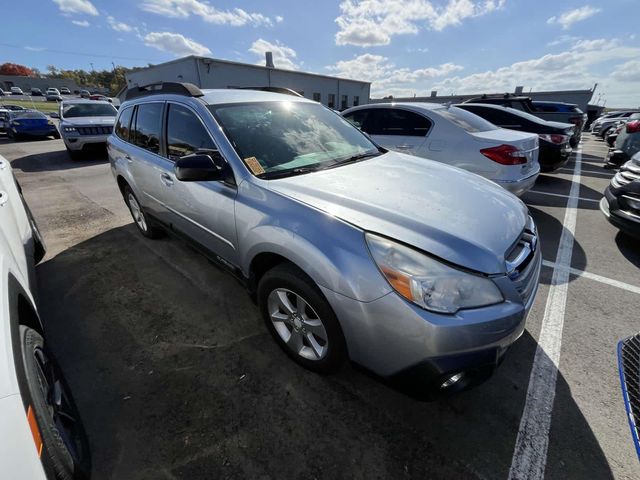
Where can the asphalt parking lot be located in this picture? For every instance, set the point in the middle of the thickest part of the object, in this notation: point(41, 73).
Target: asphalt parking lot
point(176, 376)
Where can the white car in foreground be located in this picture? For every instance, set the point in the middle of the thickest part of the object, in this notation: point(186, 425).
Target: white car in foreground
point(42, 435)
point(453, 136)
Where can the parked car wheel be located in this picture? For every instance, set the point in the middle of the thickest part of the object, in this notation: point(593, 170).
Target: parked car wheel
point(64, 439)
point(301, 320)
point(140, 218)
point(56, 135)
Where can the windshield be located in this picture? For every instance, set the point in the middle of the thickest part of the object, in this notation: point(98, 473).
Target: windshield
point(293, 137)
point(73, 110)
point(468, 121)
point(23, 114)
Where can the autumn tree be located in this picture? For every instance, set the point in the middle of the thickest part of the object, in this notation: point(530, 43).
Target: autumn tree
point(15, 69)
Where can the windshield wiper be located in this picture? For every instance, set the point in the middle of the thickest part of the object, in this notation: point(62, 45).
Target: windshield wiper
point(289, 172)
point(354, 158)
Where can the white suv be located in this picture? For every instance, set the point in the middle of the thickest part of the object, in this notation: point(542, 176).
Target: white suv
point(42, 436)
point(85, 124)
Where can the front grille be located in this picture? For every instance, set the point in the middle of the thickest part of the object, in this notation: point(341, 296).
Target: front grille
point(94, 130)
point(629, 365)
point(522, 268)
point(624, 177)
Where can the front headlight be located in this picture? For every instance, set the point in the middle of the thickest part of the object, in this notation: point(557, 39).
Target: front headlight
point(69, 129)
point(428, 282)
point(49, 122)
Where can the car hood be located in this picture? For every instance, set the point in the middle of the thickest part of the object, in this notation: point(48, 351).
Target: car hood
point(89, 121)
point(447, 212)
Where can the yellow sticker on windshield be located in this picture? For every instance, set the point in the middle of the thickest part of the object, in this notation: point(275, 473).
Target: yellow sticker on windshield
point(254, 165)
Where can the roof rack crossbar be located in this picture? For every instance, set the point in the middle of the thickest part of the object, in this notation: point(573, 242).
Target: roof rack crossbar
point(186, 89)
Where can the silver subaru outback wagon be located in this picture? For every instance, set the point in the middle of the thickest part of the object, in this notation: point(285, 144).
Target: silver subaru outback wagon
point(420, 272)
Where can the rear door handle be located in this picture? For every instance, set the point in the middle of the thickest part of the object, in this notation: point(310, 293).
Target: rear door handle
point(166, 179)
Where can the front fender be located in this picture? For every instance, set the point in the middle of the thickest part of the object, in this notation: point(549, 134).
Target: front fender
point(332, 252)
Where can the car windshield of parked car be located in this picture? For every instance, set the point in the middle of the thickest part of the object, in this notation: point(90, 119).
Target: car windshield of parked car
point(468, 121)
point(88, 110)
point(21, 115)
point(280, 138)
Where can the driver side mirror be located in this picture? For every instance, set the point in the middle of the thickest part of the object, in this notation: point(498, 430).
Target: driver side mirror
point(54, 115)
point(200, 167)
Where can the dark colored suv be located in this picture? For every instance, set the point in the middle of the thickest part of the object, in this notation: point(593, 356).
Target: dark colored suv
point(554, 136)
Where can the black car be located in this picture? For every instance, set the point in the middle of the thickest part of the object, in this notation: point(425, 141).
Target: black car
point(621, 202)
point(36, 92)
point(549, 111)
point(555, 149)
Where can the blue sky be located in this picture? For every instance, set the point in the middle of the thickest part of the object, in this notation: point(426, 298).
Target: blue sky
point(403, 47)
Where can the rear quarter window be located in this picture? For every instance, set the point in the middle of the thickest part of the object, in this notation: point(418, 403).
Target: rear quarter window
point(123, 124)
point(469, 122)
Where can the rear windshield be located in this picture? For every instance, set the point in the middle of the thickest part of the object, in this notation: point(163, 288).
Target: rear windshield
point(88, 110)
point(466, 120)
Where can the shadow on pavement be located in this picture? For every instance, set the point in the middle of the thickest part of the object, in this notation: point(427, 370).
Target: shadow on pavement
point(176, 377)
point(58, 160)
point(550, 230)
point(629, 247)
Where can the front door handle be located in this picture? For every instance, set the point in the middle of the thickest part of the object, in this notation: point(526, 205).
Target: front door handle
point(166, 179)
point(127, 157)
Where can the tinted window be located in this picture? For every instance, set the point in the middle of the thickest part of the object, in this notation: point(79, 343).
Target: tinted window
point(357, 118)
point(185, 133)
point(123, 124)
point(394, 121)
point(468, 121)
point(146, 133)
point(495, 116)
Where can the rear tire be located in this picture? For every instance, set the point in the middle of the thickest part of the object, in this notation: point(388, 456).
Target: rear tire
point(65, 444)
point(140, 218)
point(301, 320)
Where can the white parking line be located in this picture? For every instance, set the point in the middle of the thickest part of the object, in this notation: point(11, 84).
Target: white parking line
point(530, 452)
point(583, 199)
point(607, 174)
point(597, 278)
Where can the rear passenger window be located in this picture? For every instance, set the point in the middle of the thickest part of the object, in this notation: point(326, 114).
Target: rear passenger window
point(394, 121)
point(148, 125)
point(185, 133)
point(123, 124)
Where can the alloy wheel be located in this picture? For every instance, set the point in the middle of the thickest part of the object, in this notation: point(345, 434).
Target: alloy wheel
point(136, 212)
point(298, 324)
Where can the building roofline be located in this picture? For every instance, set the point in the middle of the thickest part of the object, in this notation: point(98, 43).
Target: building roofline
point(231, 62)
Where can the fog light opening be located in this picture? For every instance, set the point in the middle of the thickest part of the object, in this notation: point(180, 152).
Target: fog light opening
point(452, 380)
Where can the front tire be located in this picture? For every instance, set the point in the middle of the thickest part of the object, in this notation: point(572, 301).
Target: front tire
point(65, 444)
point(301, 320)
point(140, 218)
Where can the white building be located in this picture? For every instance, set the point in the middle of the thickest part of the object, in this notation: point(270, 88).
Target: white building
point(334, 92)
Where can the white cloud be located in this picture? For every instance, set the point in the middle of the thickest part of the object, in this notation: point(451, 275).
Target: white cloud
point(386, 78)
point(283, 56)
point(119, 26)
point(185, 8)
point(570, 17)
point(175, 43)
point(627, 72)
point(374, 22)
point(35, 49)
point(80, 23)
point(76, 6)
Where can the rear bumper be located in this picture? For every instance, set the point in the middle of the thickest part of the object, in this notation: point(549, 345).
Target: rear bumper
point(521, 186)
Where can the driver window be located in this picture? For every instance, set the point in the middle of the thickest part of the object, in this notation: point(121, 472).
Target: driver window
point(185, 133)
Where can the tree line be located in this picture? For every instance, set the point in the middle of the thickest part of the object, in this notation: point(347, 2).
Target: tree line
point(113, 79)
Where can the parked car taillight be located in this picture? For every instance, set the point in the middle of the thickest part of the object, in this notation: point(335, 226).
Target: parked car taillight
point(554, 138)
point(633, 127)
point(505, 155)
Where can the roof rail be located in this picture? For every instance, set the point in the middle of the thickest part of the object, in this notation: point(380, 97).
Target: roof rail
point(283, 90)
point(186, 89)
